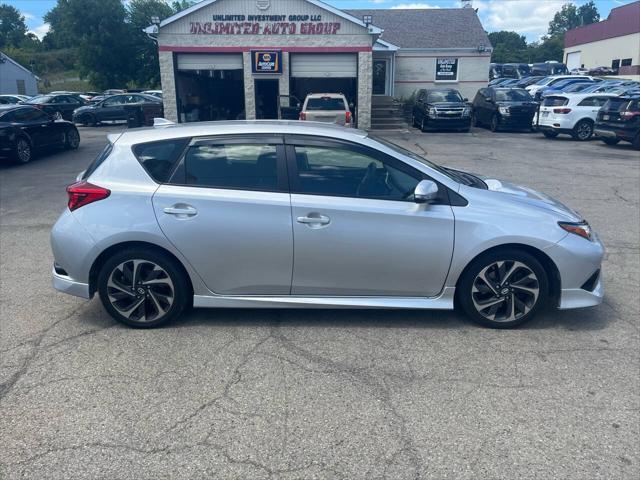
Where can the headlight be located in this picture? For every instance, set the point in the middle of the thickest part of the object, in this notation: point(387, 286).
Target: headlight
point(466, 112)
point(504, 110)
point(432, 112)
point(581, 229)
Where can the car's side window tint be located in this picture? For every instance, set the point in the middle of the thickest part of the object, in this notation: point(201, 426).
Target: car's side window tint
point(233, 166)
point(159, 158)
point(346, 173)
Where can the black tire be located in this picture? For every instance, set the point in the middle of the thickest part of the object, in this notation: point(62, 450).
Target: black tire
point(89, 119)
point(72, 139)
point(423, 128)
point(611, 141)
point(506, 294)
point(23, 150)
point(495, 123)
point(154, 294)
point(474, 120)
point(550, 134)
point(583, 130)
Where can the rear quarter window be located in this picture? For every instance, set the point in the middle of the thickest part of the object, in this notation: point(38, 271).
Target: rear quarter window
point(102, 156)
point(159, 158)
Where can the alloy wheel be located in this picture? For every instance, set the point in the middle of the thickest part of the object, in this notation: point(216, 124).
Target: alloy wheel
point(57, 116)
point(73, 139)
point(584, 130)
point(505, 291)
point(140, 290)
point(23, 150)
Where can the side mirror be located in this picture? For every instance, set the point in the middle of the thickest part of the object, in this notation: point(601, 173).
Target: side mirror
point(352, 105)
point(426, 192)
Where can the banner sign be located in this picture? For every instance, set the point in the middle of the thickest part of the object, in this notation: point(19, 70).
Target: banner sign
point(446, 69)
point(266, 61)
point(265, 25)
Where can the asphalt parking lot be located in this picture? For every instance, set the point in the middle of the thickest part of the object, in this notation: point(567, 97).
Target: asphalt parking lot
point(331, 394)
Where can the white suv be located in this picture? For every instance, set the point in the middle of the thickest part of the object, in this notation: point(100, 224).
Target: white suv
point(571, 113)
point(327, 108)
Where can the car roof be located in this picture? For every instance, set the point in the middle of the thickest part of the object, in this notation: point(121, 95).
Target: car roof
point(13, 106)
point(320, 95)
point(236, 127)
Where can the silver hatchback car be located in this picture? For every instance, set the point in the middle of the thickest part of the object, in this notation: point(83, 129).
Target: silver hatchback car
point(301, 214)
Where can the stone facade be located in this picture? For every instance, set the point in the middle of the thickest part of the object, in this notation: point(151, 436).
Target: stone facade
point(365, 73)
point(167, 77)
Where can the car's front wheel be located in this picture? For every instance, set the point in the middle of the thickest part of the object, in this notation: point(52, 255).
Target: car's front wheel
point(23, 152)
point(143, 288)
point(495, 123)
point(72, 139)
point(503, 289)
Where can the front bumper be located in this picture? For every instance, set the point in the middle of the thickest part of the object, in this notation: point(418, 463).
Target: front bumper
point(445, 123)
point(520, 121)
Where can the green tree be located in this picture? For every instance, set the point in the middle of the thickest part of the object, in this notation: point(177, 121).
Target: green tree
point(13, 30)
point(103, 38)
point(508, 47)
point(570, 16)
point(179, 5)
point(140, 13)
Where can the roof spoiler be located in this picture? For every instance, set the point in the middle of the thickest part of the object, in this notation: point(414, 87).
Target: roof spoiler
point(162, 122)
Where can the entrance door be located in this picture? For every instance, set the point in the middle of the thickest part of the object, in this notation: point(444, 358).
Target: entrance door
point(266, 99)
point(380, 70)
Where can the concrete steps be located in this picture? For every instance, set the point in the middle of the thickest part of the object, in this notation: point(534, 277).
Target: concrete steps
point(387, 114)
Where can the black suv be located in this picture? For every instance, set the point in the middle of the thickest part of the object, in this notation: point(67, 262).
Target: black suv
point(441, 109)
point(619, 119)
point(503, 107)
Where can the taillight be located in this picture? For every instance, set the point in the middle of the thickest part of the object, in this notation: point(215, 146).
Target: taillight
point(628, 114)
point(561, 110)
point(303, 116)
point(347, 117)
point(83, 193)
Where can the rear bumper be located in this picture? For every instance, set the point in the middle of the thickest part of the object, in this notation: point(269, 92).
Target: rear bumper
point(610, 131)
point(551, 128)
point(67, 285)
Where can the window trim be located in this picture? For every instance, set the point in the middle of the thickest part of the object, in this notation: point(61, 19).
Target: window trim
point(178, 177)
point(292, 140)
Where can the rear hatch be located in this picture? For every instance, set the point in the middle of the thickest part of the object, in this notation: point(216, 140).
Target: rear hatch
point(326, 109)
point(610, 112)
point(551, 103)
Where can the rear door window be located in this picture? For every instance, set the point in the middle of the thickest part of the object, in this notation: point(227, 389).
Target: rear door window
point(159, 158)
point(232, 166)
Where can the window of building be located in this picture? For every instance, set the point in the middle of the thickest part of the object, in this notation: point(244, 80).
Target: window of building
point(615, 63)
point(626, 62)
point(242, 167)
point(20, 85)
point(346, 173)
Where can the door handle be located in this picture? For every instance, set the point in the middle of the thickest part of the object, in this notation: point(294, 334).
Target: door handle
point(314, 219)
point(181, 211)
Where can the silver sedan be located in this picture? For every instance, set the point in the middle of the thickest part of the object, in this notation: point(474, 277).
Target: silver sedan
point(300, 214)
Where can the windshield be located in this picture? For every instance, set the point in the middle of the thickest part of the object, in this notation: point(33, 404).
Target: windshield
point(446, 96)
point(513, 95)
point(40, 99)
point(325, 103)
point(455, 175)
point(545, 81)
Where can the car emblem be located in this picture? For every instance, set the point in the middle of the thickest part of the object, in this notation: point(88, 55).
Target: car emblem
point(263, 4)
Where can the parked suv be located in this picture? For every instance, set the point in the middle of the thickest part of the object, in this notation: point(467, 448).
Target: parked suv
point(327, 108)
point(572, 114)
point(503, 108)
point(619, 119)
point(441, 109)
point(293, 214)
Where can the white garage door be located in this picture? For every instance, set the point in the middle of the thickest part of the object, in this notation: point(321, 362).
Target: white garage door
point(208, 61)
point(573, 60)
point(324, 65)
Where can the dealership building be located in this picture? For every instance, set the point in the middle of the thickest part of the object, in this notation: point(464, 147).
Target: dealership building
point(614, 42)
point(235, 59)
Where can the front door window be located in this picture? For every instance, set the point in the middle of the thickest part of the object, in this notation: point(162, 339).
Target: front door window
point(380, 77)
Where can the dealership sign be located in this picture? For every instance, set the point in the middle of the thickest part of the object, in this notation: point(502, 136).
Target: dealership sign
point(265, 25)
point(266, 61)
point(446, 69)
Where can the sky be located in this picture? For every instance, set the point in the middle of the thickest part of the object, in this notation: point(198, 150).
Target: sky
point(527, 17)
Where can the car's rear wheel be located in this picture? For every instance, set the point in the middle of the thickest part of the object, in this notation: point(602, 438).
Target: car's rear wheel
point(142, 288)
point(611, 141)
point(23, 152)
point(503, 289)
point(583, 130)
point(550, 134)
point(72, 139)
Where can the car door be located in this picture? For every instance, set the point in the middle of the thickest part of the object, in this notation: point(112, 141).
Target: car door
point(356, 228)
point(37, 124)
point(227, 208)
point(112, 108)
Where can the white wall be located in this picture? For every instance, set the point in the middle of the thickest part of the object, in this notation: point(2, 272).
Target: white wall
point(417, 69)
point(601, 53)
point(9, 73)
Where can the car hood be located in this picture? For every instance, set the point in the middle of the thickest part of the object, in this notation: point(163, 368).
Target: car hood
point(517, 104)
point(528, 196)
